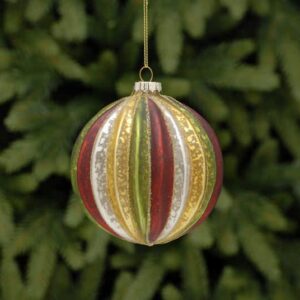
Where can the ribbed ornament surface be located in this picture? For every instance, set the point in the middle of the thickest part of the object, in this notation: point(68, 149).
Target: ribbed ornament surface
point(147, 168)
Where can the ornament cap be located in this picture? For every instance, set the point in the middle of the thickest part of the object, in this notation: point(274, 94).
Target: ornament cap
point(147, 86)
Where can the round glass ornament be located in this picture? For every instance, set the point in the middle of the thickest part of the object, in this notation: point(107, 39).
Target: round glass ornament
point(147, 168)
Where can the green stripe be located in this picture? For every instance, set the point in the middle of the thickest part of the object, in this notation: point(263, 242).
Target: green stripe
point(139, 168)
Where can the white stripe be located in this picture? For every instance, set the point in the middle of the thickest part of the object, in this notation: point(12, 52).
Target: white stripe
point(181, 173)
point(98, 175)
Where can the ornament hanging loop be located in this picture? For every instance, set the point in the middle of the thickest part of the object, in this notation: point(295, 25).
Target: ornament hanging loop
point(146, 45)
point(142, 70)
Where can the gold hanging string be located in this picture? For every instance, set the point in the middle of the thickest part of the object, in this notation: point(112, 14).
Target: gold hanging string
point(146, 43)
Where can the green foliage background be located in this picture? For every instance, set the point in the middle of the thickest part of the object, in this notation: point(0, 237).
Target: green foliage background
point(236, 61)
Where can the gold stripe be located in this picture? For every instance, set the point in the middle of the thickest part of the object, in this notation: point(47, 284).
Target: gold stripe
point(118, 170)
point(202, 168)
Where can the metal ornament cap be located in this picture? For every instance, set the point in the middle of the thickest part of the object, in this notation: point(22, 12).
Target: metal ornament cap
point(147, 86)
point(147, 167)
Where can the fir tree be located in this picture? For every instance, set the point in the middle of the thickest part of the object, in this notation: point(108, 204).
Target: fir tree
point(235, 61)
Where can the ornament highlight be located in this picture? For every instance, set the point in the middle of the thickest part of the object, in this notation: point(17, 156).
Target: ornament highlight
point(147, 168)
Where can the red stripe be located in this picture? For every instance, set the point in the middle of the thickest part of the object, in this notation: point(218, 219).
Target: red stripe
point(83, 171)
point(162, 171)
point(219, 164)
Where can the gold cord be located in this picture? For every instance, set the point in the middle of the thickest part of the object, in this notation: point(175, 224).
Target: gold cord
point(146, 46)
point(146, 43)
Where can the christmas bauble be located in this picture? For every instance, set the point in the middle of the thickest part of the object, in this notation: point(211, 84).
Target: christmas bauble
point(147, 167)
